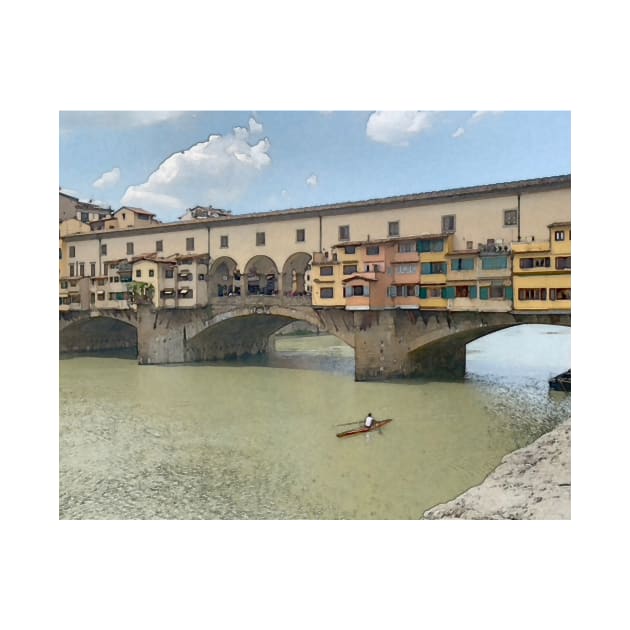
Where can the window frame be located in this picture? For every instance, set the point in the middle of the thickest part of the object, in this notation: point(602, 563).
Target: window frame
point(344, 232)
point(260, 239)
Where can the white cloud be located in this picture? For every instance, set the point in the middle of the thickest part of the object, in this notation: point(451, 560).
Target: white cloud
point(255, 127)
point(482, 114)
point(217, 171)
point(108, 179)
point(114, 119)
point(312, 181)
point(458, 132)
point(397, 127)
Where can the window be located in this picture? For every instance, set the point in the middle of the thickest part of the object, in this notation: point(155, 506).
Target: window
point(462, 264)
point(559, 294)
point(350, 249)
point(433, 267)
point(142, 217)
point(448, 223)
point(344, 232)
point(356, 290)
point(82, 269)
point(185, 293)
point(529, 263)
point(100, 296)
point(462, 292)
point(71, 251)
point(326, 293)
point(104, 249)
point(169, 272)
point(494, 262)
point(260, 238)
point(563, 262)
point(224, 241)
point(60, 254)
point(326, 271)
point(159, 246)
point(300, 236)
point(92, 269)
point(430, 245)
point(151, 273)
point(372, 250)
point(406, 247)
point(201, 276)
point(497, 291)
point(190, 244)
point(434, 293)
point(348, 269)
point(558, 235)
point(138, 273)
point(129, 249)
point(63, 284)
point(407, 268)
point(469, 244)
point(510, 217)
point(85, 217)
point(393, 228)
point(532, 294)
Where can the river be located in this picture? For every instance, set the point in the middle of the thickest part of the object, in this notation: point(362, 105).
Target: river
point(256, 439)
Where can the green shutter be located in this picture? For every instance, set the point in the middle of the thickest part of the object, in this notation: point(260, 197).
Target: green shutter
point(473, 292)
point(449, 293)
point(484, 293)
point(423, 293)
point(425, 268)
point(509, 293)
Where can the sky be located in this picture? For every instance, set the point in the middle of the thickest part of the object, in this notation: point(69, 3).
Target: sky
point(252, 161)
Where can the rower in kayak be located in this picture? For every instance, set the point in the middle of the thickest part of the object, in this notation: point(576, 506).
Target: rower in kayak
point(369, 420)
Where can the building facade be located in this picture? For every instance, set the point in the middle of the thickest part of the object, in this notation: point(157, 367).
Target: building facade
point(458, 249)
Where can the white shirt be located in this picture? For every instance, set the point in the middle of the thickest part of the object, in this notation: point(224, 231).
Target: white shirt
point(369, 420)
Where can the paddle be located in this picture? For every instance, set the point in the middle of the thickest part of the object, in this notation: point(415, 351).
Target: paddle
point(347, 424)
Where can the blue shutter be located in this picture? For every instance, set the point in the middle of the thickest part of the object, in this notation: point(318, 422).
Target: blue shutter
point(473, 292)
point(484, 293)
point(449, 293)
point(425, 268)
point(509, 293)
point(423, 293)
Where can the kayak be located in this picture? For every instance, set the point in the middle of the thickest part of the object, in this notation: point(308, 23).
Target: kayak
point(377, 425)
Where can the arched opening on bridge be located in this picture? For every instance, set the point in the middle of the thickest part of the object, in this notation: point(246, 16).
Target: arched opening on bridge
point(294, 273)
point(224, 277)
point(99, 335)
point(261, 276)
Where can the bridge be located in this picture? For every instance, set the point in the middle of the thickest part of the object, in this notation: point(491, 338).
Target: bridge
point(387, 343)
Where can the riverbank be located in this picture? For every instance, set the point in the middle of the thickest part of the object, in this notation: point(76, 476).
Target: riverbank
point(532, 483)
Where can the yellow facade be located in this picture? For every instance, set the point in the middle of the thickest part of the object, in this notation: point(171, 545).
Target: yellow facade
point(542, 271)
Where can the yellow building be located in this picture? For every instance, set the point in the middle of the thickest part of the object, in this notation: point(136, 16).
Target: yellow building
point(542, 271)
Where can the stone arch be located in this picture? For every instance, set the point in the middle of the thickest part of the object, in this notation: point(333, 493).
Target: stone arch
point(224, 277)
point(261, 276)
point(294, 274)
point(245, 330)
point(92, 333)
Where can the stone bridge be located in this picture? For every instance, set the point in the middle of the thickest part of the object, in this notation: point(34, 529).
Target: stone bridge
point(387, 343)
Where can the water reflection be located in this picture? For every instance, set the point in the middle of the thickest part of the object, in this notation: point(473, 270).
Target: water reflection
point(256, 439)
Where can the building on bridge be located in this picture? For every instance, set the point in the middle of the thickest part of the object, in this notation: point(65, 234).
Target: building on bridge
point(450, 249)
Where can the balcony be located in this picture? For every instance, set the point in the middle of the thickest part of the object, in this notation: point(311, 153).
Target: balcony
point(524, 247)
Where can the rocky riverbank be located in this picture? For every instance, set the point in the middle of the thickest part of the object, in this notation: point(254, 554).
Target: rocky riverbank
point(533, 482)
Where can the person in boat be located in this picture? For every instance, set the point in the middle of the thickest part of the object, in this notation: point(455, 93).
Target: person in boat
point(369, 420)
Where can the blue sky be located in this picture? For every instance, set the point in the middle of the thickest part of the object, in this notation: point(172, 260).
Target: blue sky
point(250, 161)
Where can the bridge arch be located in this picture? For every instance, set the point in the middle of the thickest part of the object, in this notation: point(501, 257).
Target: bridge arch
point(294, 273)
point(223, 278)
point(96, 332)
point(245, 330)
point(261, 276)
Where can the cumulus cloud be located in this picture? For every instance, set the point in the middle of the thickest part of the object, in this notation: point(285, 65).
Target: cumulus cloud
point(458, 132)
point(217, 171)
point(108, 179)
point(477, 116)
point(312, 181)
point(397, 127)
point(255, 127)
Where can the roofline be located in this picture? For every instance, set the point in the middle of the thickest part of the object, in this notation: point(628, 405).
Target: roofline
point(349, 207)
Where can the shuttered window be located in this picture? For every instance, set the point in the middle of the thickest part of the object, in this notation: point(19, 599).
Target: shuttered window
point(484, 293)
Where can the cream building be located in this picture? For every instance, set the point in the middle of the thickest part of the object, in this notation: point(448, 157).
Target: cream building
point(272, 252)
